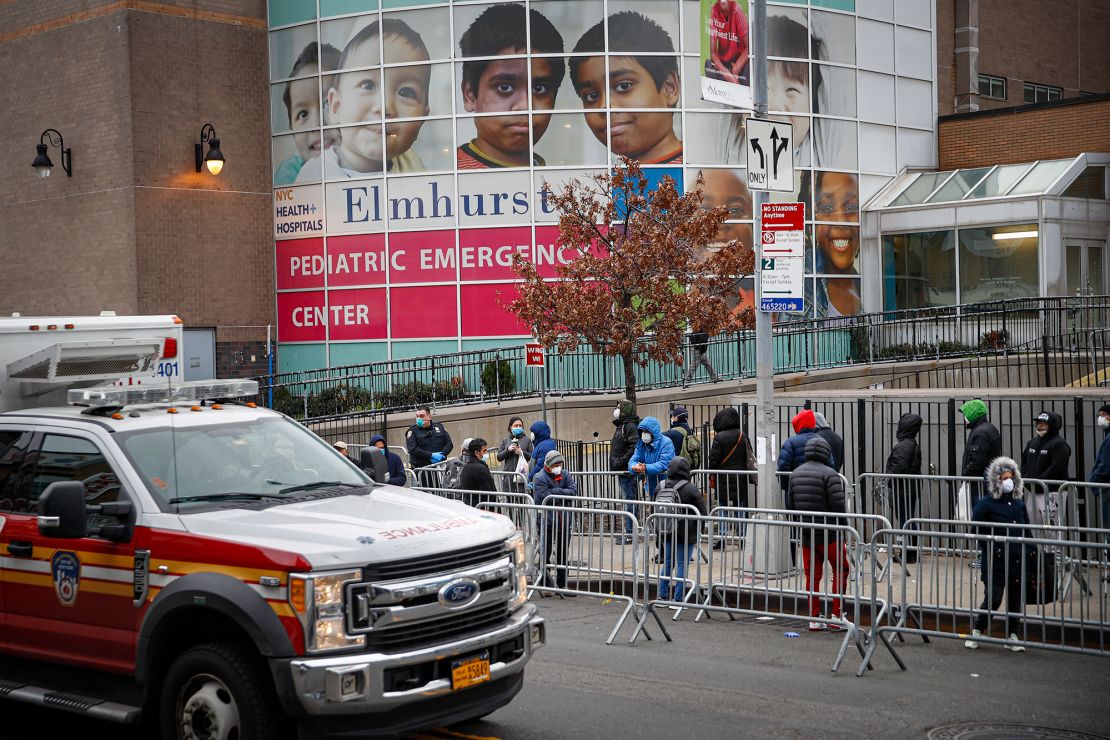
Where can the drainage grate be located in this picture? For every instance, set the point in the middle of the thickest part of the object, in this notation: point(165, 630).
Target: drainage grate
point(985, 731)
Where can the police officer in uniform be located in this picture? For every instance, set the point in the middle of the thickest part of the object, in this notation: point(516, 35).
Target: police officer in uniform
point(428, 443)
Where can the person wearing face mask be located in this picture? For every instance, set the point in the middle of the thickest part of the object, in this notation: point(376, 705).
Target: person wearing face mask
point(513, 448)
point(623, 445)
point(428, 443)
point(394, 465)
point(653, 454)
point(475, 473)
point(1100, 473)
point(542, 444)
point(1002, 560)
point(1045, 457)
point(553, 480)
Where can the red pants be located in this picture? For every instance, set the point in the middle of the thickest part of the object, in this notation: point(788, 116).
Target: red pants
point(814, 562)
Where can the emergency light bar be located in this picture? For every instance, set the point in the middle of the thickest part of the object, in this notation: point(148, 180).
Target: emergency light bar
point(194, 390)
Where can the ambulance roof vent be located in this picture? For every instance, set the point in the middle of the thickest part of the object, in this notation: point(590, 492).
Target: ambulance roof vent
point(71, 362)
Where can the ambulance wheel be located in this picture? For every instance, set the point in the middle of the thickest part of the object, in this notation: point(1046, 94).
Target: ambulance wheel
point(218, 691)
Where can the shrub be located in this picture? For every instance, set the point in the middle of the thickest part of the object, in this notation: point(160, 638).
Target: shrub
point(995, 339)
point(497, 377)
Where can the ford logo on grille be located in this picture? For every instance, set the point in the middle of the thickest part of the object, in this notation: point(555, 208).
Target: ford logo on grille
point(459, 592)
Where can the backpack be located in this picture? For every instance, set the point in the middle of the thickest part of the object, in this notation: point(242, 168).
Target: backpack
point(452, 474)
point(689, 449)
point(667, 501)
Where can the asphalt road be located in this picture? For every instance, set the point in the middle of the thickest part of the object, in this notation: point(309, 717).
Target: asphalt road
point(741, 679)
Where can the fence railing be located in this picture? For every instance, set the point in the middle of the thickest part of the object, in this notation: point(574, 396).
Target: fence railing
point(1060, 337)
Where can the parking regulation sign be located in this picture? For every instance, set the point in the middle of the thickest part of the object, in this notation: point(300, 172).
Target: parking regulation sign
point(781, 284)
point(783, 229)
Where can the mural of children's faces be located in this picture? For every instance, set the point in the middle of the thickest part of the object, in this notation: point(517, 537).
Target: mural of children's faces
point(836, 197)
point(630, 85)
point(788, 92)
point(726, 187)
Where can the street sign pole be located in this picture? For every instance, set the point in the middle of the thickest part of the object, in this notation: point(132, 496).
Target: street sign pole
point(534, 357)
point(766, 557)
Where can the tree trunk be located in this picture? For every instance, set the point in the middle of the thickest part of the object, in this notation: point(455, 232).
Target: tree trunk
point(629, 376)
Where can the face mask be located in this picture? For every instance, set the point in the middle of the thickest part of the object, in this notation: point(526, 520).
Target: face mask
point(616, 413)
point(517, 431)
point(1103, 422)
point(1007, 485)
point(1042, 432)
point(380, 449)
point(557, 470)
point(647, 437)
point(532, 436)
point(419, 422)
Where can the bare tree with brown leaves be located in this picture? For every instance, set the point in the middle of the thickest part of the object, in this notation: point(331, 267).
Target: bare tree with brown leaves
point(647, 263)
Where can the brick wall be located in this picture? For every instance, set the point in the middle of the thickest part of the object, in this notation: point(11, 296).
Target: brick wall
point(1049, 42)
point(1024, 135)
point(129, 83)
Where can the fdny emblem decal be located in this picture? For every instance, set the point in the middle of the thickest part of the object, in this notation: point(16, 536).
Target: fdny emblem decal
point(66, 569)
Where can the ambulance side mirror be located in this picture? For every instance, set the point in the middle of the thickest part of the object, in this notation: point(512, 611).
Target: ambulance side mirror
point(62, 510)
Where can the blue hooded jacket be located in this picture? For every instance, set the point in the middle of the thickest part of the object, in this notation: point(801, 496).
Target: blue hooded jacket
point(542, 444)
point(656, 456)
point(396, 467)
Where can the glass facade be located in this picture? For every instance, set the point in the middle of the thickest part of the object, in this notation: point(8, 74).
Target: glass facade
point(920, 269)
point(413, 141)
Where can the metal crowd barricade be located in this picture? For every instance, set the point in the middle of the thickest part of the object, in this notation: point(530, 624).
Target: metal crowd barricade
point(900, 498)
point(858, 522)
point(946, 597)
point(509, 481)
point(1080, 505)
point(741, 588)
point(582, 561)
point(584, 508)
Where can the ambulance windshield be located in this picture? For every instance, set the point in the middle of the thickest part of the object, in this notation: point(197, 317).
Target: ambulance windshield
point(262, 459)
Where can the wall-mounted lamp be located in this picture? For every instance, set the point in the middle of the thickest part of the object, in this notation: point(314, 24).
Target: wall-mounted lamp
point(42, 163)
point(214, 160)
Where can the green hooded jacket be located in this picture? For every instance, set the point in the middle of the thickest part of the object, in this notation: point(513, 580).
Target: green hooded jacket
point(974, 410)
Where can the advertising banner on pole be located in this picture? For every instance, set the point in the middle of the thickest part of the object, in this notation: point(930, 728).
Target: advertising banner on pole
point(725, 51)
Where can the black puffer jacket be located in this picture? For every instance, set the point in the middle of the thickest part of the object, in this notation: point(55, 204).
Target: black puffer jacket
point(816, 487)
point(729, 451)
point(1047, 457)
point(984, 444)
point(624, 438)
point(905, 456)
point(476, 476)
point(678, 476)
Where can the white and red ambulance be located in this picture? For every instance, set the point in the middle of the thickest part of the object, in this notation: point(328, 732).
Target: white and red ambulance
point(173, 556)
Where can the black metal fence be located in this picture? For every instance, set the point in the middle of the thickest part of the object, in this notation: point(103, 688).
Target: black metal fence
point(1050, 341)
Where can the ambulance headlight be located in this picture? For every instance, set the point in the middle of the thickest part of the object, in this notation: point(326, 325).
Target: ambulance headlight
point(318, 600)
point(519, 555)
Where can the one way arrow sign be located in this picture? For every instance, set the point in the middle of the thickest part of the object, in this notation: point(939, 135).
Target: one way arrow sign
point(770, 155)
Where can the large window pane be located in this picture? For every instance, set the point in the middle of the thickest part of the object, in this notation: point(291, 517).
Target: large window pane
point(919, 270)
point(998, 263)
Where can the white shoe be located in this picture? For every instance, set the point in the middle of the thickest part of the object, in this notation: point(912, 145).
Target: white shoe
point(818, 626)
point(971, 644)
point(1015, 647)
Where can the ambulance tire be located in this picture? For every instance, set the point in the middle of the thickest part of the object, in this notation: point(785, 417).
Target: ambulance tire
point(219, 685)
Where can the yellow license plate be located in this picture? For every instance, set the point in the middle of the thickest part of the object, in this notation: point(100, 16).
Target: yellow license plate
point(469, 671)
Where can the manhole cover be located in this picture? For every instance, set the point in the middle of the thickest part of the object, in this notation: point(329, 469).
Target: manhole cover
point(983, 731)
